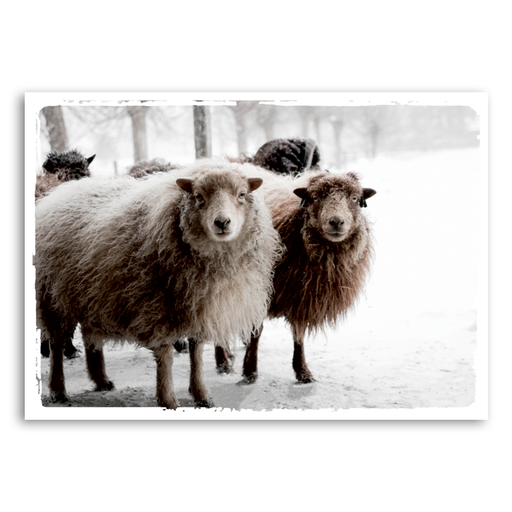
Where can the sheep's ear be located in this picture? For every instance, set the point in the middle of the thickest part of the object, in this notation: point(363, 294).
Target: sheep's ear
point(254, 183)
point(90, 159)
point(367, 193)
point(185, 184)
point(303, 194)
point(48, 166)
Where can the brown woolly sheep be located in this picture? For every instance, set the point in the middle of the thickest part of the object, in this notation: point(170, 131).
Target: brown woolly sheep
point(328, 255)
point(150, 261)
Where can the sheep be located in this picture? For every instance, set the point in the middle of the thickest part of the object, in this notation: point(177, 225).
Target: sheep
point(146, 168)
point(58, 168)
point(61, 167)
point(329, 251)
point(150, 261)
point(142, 170)
point(286, 156)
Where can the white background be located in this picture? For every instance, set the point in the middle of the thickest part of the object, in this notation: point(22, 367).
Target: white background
point(218, 46)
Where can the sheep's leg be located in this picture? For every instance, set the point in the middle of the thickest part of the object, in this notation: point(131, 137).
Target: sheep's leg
point(250, 371)
point(58, 338)
point(70, 351)
point(223, 359)
point(56, 382)
point(197, 387)
point(164, 383)
point(45, 346)
point(96, 367)
point(304, 376)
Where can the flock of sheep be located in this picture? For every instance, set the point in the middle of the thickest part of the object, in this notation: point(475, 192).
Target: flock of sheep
point(200, 253)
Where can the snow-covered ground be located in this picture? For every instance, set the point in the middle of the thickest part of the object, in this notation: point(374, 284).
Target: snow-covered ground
point(409, 345)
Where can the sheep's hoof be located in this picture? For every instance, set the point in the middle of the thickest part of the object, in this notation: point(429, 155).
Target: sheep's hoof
point(73, 354)
point(181, 346)
point(306, 379)
point(248, 379)
point(207, 403)
point(58, 397)
point(45, 348)
point(173, 404)
point(107, 386)
point(225, 368)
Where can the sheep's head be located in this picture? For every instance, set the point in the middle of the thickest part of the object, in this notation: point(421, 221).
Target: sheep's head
point(68, 165)
point(220, 199)
point(333, 204)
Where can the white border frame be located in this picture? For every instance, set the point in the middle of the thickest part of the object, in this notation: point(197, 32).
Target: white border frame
point(33, 406)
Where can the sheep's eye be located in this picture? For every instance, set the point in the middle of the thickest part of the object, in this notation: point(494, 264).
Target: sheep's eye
point(355, 199)
point(199, 197)
point(242, 194)
point(315, 198)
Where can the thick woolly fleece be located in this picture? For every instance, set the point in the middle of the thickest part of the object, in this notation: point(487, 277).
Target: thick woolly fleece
point(130, 260)
point(317, 281)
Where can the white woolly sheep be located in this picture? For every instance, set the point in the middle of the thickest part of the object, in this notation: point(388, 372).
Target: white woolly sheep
point(150, 261)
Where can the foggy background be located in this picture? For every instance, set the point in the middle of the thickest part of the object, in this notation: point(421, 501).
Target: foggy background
point(346, 135)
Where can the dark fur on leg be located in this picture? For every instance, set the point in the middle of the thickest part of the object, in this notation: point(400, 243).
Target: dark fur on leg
point(224, 360)
point(250, 370)
point(302, 372)
point(96, 369)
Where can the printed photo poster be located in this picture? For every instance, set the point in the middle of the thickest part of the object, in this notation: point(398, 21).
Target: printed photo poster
point(376, 307)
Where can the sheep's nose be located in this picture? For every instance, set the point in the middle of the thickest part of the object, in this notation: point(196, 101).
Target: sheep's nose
point(222, 222)
point(336, 222)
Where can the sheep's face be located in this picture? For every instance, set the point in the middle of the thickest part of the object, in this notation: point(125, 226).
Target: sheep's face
point(333, 204)
point(68, 166)
point(220, 200)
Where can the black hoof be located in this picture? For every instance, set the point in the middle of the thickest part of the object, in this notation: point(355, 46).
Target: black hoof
point(306, 380)
point(45, 348)
point(225, 368)
point(107, 386)
point(58, 397)
point(207, 403)
point(72, 354)
point(248, 379)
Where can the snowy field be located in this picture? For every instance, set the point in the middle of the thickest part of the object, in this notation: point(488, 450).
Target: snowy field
point(410, 344)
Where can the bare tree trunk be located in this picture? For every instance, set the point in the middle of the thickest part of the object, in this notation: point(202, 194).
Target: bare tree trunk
point(268, 128)
point(140, 144)
point(241, 131)
point(202, 132)
point(266, 116)
point(240, 110)
point(305, 127)
point(56, 128)
point(374, 136)
point(338, 127)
